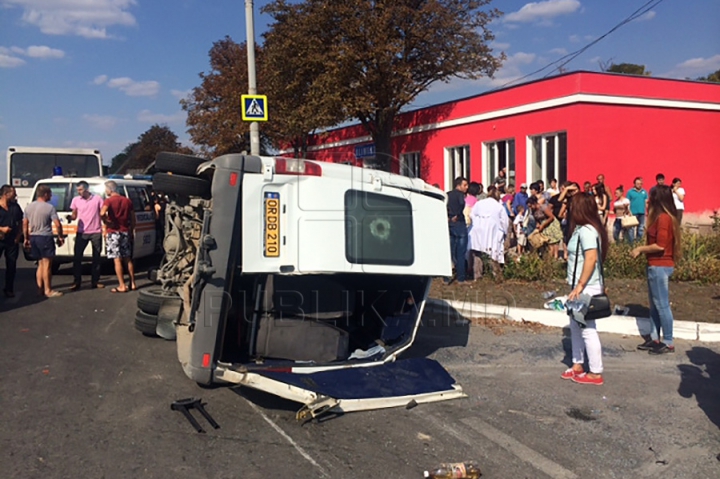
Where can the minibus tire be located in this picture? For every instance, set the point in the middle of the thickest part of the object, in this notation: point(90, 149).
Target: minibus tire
point(178, 163)
point(150, 300)
point(145, 323)
point(181, 185)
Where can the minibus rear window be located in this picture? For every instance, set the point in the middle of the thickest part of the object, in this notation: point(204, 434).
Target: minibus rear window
point(378, 229)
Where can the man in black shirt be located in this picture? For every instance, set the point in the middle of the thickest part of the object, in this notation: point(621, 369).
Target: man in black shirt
point(11, 217)
point(457, 226)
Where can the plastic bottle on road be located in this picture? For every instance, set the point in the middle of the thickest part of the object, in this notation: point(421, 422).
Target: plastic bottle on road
point(458, 470)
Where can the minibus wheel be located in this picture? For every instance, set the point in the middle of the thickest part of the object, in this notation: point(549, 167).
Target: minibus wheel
point(177, 163)
point(146, 323)
point(171, 184)
point(150, 300)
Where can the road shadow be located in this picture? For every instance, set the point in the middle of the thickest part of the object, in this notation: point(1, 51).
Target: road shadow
point(266, 400)
point(442, 327)
point(25, 288)
point(702, 380)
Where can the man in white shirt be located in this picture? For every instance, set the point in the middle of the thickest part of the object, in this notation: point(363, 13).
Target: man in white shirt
point(679, 197)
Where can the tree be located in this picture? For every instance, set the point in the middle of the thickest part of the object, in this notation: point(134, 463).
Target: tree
point(713, 77)
point(214, 108)
point(140, 155)
point(121, 158)
point(291, 77)
point(372, 58)
point(626, 68)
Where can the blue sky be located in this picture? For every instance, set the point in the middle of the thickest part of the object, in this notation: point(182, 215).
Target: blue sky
point(98, 73)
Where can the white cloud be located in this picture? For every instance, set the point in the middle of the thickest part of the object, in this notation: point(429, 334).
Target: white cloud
point(595, 60)
point(542, 11)
point(131, 87)
point(100, 79)
point(43, 51)
point(101, 122)
point(646, 16)
point(8, 60)
point(180, 94)
point(146, 116)
point(9, 57)
point(694, 67)
point(559, 51)
point(574, 38)
point(85, 18)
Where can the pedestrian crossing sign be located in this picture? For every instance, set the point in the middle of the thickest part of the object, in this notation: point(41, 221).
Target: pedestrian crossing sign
point(254, 108)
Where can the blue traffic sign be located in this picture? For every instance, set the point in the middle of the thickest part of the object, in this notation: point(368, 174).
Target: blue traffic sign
point(254, 108)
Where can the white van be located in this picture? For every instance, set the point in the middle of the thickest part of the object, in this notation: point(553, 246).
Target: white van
point(300, 278)
point(64, 189)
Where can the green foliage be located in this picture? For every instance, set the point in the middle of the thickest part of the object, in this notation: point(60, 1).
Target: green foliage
point(700, 262)
point(532, 267)
point(628, 69)
point(619, 264)
point(713, 77)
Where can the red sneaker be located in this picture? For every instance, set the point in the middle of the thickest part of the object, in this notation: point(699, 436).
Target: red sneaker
point(585, 379)
point(570, 373)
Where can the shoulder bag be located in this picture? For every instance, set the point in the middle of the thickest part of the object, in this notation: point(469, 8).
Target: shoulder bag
point(537, 240)
point(599, 306)
point(629, 221)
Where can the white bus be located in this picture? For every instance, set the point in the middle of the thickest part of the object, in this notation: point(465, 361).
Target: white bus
point(26, 165)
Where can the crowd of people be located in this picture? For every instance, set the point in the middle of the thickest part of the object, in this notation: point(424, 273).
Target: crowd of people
point(33, 231)
point(571, 225)
point(538, 218)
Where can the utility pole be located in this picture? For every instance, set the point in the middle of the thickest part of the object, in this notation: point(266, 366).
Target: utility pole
point(252, 82)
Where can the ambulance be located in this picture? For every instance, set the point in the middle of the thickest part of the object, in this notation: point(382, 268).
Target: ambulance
point(64, 189)
point(301, 278)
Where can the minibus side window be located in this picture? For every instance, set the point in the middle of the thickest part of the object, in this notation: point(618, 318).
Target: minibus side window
point(378, 229)
point(134, 194)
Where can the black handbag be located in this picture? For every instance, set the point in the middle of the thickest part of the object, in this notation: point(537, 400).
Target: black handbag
point(599, 306)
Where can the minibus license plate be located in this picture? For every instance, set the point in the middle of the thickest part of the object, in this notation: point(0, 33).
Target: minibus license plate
point(272, 224)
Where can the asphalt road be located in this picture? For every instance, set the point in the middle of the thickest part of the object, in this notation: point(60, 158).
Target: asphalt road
point(82, 394)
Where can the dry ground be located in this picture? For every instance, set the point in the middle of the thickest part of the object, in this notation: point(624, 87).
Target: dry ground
point(690, 301)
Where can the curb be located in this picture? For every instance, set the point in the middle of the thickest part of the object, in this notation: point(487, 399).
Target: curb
point(627, 325)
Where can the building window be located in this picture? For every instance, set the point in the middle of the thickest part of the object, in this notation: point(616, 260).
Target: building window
point(548, 158)
point(457, 163)
point(410, 164)
point(499, 155)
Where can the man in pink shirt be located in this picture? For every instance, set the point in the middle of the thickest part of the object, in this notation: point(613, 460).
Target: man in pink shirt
point(86, 209)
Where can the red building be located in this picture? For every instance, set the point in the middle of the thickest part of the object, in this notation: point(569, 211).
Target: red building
point(572, 126)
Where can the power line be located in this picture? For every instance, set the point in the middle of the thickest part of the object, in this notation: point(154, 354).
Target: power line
point(564, 60)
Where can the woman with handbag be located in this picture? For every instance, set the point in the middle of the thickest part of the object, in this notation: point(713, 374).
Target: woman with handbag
point(662, 250)
point(547, 224)
point(587, 248)
point(623, 218)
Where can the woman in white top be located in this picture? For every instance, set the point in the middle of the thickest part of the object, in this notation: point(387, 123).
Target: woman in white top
point(679, 197)
point(621, 207)
point(587, 248)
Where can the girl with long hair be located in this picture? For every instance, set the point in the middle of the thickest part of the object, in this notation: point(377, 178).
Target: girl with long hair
point(588, 234)
point(662, 250)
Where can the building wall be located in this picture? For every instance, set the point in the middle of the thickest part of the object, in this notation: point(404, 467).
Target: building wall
point(670, 127)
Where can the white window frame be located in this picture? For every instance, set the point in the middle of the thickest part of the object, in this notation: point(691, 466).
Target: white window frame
point(491, 169)
point(544, 160)
point(410, 164)
point(454, 161)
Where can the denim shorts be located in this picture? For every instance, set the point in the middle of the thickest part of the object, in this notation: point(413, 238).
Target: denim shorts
point(42, 247)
